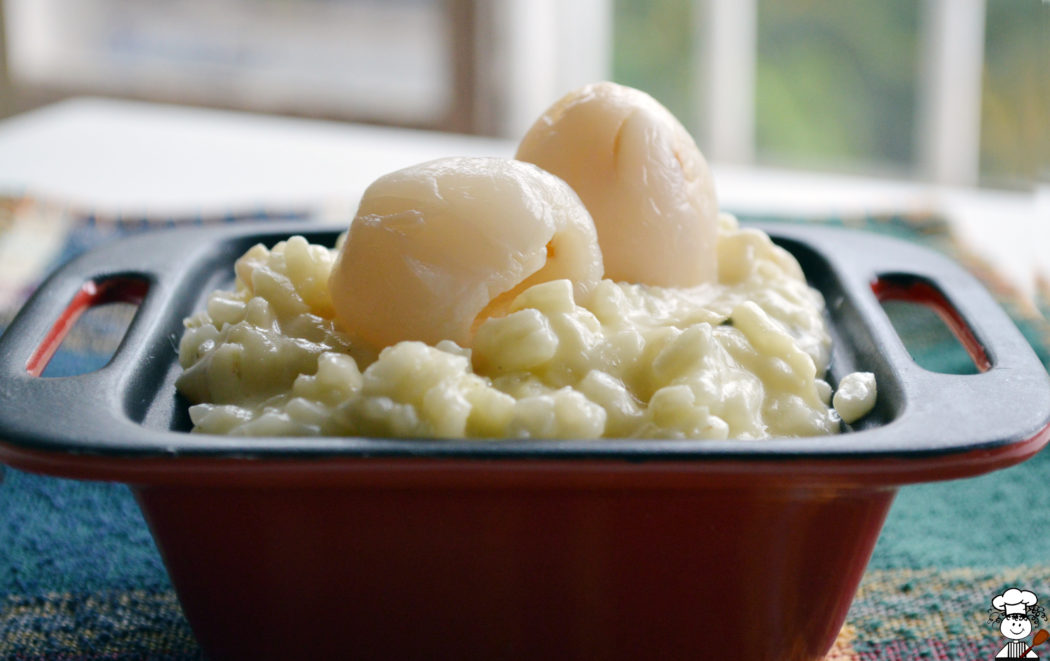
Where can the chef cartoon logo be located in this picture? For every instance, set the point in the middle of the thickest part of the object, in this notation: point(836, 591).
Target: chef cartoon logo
point(1016, 613)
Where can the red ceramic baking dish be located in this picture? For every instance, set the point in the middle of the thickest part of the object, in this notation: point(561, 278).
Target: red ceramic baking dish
point(372, 548)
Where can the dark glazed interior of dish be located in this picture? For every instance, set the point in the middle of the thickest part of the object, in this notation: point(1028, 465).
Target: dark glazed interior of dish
point(853, 347)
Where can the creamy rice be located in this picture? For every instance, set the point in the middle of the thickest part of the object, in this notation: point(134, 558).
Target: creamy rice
point(744, 357)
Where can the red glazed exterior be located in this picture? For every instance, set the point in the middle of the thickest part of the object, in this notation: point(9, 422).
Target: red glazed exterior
point(463, 572)
point(481, 559)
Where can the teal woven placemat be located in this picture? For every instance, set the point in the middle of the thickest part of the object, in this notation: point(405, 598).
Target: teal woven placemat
point(80, 577)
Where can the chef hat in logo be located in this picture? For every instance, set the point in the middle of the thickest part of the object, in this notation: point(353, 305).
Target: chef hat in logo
point(1014, 601)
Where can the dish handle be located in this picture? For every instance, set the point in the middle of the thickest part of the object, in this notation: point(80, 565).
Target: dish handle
point(163, 278)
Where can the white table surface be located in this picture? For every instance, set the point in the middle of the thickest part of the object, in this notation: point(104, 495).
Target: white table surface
point(130, 158)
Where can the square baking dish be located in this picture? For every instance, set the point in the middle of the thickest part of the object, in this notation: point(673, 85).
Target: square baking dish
point(372, 548)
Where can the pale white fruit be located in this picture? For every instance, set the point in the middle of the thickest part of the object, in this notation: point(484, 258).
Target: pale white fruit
point(438, 247)
point(641, 176)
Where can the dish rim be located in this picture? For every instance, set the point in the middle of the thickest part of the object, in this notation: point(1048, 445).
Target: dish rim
point(973, 421)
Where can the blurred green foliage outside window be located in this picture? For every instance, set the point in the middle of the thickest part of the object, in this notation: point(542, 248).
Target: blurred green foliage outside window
point(1015, 103)
point(837, 81)
point(653, 50)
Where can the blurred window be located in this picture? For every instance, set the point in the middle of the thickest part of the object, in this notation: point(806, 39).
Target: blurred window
point(951, 91)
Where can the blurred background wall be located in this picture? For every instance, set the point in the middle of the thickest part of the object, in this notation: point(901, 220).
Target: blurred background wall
point(950, 91)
